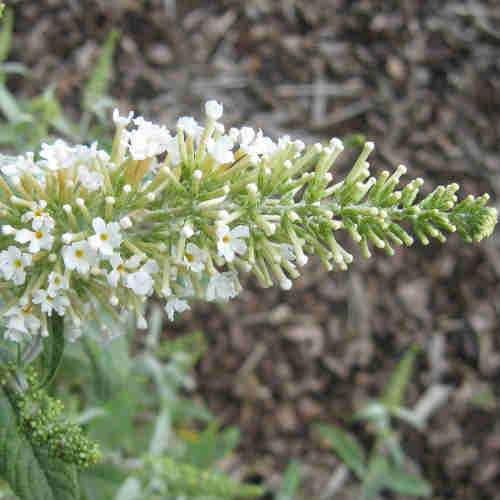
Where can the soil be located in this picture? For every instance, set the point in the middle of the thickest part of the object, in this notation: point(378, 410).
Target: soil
point(421, 79)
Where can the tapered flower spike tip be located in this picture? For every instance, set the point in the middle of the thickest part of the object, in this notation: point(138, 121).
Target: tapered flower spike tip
point(183, 213)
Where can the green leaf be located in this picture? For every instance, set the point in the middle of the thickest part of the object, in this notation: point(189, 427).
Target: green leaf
point(6, 356)
point(374, 411)
point(401, 482)
point(345, 446)
point(210, 446)
point(101, 481)
point(408, 416)
point(53, 349)
point(96, 87)
point(161, 434)
point(226, 442)
point(394, 392)
point(373, 482)
point(130, 490)
point(6, 35)
point(10, 107)
point(30, 471)
point(382, 475)
point(290, 483)
point(110, 365)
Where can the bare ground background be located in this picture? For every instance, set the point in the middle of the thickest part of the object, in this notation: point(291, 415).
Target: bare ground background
point(421, 78)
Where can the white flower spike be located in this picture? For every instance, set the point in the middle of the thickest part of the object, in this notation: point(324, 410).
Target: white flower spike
point(182, 213)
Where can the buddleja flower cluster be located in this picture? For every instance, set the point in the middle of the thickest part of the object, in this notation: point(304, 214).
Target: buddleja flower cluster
point(182, 213)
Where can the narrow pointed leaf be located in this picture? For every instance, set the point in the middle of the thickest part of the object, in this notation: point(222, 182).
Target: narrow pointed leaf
point(406, 484)
point(291, 482)
point(373, 481)
point(346, 447)
point(400, 377)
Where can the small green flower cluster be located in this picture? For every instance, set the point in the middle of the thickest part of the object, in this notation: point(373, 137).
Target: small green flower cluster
point(40, 420)
point(182, 215)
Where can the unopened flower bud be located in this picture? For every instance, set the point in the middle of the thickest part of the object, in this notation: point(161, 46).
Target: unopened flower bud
point(126, 222)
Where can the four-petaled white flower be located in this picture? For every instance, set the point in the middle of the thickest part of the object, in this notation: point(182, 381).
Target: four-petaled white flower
point(174, 305)
point(90, 179)
point(147, 140)
point(39, 217)
point(40, 239)
point(122, 121)
point(89, 155)
point(230, 241)
point(21, 323)
point(59, 155)
point(121, 268)
point(49, 302)
point(79, 256)
point(172, 148)
point(255, 144)
point(107, 237)
point(12, 264)
point(221, 150)
point(222, 286)
point(57, 282)
point(194, 258)
point(213, 109)
point(141, 282)
point(14, 166)
point(190, 126)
